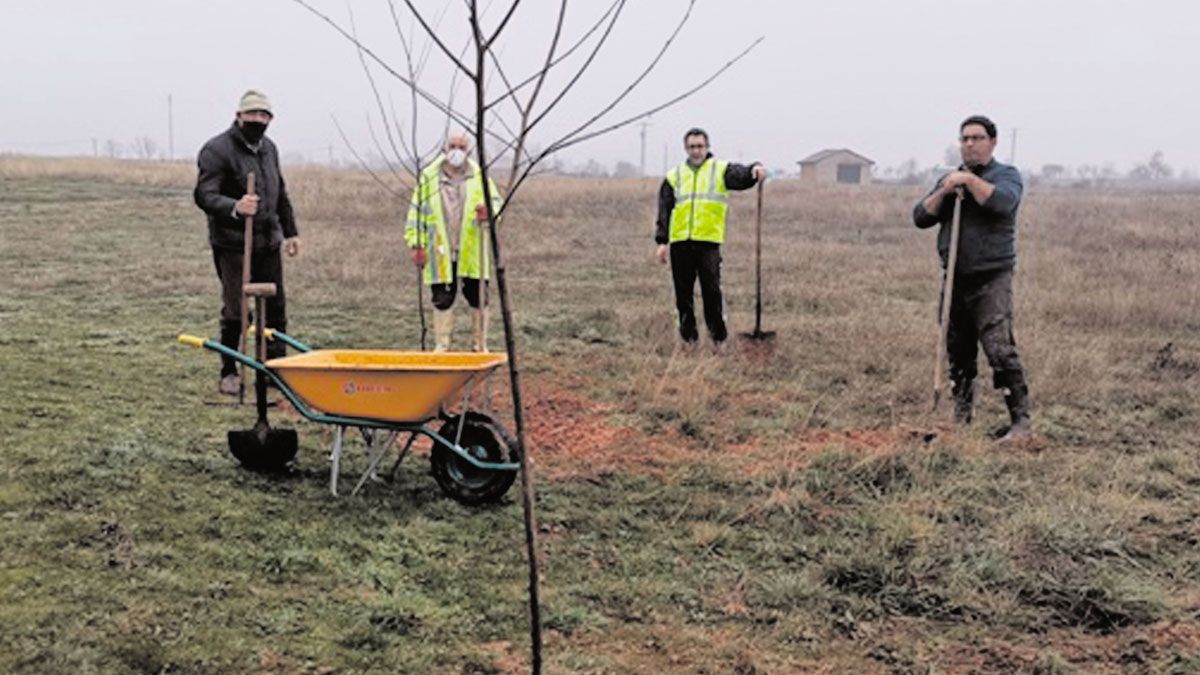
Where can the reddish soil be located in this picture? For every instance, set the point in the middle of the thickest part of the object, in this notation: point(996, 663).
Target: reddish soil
point(571, 436)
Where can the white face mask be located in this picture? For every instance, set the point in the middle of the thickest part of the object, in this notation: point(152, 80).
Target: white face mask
point(456, 157)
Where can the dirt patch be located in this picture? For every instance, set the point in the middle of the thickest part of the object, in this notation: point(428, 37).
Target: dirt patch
point(572, 437)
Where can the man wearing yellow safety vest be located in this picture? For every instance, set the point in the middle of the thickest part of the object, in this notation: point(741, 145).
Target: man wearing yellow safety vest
point(692, 204)
point(445, 233)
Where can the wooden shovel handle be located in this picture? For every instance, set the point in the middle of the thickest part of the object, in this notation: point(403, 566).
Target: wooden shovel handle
point(947, 298)
point(247, 247)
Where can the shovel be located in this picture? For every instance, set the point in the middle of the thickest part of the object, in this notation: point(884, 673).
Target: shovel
point(939, 363)
point(247, 248)
point(262, 448)
point(759, 334)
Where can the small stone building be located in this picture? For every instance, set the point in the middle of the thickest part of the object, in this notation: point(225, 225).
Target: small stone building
point(835, 166)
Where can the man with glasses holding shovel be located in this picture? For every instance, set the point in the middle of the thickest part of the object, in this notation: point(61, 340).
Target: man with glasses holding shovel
point(223, 191)
point(976, 206)
point(692, 204)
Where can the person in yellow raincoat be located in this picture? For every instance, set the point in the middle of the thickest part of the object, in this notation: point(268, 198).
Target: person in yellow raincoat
point(446, 232)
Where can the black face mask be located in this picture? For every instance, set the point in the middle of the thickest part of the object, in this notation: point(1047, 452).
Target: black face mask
point(253, 131)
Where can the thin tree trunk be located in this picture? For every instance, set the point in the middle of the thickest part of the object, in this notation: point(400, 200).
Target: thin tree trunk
point(514, 370)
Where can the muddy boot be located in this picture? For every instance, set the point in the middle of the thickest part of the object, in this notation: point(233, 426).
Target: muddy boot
point(1017, 399)
point(443, 328)
point(964, 400)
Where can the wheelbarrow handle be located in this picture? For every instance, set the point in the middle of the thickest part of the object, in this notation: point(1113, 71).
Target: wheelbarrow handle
point(198, 342)
point(192, 341)
point(272, 334)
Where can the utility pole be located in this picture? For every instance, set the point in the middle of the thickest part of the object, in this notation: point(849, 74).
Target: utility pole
point(170, 128)
point(95, 149)
point(642, 166)
point(1012, 153)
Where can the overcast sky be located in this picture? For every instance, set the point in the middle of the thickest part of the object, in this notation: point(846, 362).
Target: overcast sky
point(1083, 81)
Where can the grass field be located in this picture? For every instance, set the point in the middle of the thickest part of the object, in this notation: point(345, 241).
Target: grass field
point(768, 511)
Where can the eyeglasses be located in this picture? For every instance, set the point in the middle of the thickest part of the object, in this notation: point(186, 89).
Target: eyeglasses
point(697, 146)
point(978, 138)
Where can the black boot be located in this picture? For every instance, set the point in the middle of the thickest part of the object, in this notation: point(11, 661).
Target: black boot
point(231, 336)
point(964, 400)
point(1016, 397)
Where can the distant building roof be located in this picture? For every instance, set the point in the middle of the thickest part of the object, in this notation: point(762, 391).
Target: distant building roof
point(819, 156)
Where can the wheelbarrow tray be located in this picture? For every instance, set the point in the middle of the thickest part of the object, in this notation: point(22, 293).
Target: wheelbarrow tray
point(395, 386)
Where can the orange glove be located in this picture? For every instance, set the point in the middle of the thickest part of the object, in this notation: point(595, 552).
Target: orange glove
point(418, 256)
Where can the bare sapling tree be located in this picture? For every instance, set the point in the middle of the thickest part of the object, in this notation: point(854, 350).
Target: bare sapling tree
point(403, 157)
point(531, 101)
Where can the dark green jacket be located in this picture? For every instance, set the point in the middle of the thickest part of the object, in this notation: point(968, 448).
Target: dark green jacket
point(987, 237)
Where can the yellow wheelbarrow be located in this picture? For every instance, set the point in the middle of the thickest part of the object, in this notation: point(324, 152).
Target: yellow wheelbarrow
point(385, 394)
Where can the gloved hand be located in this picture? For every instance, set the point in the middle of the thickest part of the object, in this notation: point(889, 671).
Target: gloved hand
point(418, 256)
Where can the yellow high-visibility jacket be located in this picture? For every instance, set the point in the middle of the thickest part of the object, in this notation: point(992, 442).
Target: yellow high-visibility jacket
point(701, 201)
point(426, 227)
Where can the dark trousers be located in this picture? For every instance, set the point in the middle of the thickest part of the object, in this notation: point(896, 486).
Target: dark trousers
point(689, 260)
point(265, 266)
point(443, 294)
point(981, 314)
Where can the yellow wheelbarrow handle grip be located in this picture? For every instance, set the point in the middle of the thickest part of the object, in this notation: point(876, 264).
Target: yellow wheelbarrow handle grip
point(268, 333)
point(191, 341)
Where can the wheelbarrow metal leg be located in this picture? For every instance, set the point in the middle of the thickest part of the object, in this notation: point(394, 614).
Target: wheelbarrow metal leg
point(412, 437)
point(466, 407)
point(335, 457)
point(375, 454)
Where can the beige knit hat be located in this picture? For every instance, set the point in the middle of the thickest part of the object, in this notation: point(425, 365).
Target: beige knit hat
point(254, 100)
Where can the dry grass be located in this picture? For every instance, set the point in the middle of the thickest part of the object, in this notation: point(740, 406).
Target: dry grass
point(775, 509)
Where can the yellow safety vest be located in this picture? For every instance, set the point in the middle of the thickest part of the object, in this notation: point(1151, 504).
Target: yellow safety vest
point(701, 201)
point(425, 216)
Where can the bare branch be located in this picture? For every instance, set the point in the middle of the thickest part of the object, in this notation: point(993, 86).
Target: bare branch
point(378, 102)
point(568, 141)
point(411, 148)
point(572, 139)
point(503, 22)
point(541, 75)
point(537, 88)
point(432, 33)
point(383, 153)
point(366, 167)
point(566, 54)
point(405, 162)
point(500, 118)
point(430, 98)
point(638, 80)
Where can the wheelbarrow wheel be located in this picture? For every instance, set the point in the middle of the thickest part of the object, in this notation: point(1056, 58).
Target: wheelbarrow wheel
point(487, 441)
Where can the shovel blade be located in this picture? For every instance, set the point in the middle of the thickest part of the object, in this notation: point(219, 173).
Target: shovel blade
point(759, 335)
point(264, 450)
